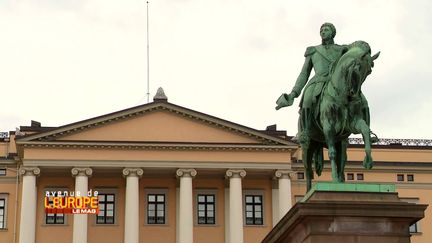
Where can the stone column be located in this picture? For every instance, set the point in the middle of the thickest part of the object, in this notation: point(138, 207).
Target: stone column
point(285, 200)
point(131, 232)
point(227, 214)
point(235, 205)
point(27, 232)
point(275, 202)
point(185, 226)
point(81, 175)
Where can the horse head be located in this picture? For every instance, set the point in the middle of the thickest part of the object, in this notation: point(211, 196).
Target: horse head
point(357, 64)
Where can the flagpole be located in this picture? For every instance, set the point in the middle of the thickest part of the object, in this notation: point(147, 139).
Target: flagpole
point(148, 56)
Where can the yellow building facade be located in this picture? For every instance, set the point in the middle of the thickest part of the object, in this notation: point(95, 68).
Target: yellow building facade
point(168, 174)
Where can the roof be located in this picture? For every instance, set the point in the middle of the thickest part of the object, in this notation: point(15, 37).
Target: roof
point(54, 134)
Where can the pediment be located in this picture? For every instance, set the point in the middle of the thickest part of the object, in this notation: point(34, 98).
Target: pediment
point(157, 122)
point(159, 126)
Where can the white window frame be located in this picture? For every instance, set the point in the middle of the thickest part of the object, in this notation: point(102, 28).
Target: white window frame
point(5, 196)
point(148, 191)
point(350, 174)
point(254, 192)
point(65, 217)
point(410, 175)
point(213, 192)
point(108, 190)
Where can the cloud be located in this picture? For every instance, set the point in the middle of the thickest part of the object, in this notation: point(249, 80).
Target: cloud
point(64, 61)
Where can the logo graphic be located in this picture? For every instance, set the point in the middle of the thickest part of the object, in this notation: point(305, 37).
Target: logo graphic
point(71, 202)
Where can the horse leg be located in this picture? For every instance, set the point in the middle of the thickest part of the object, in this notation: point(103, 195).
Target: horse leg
point(304, 136)
point(366, 118)
point(318, 158)
point(307, 163)
point(341, 159)
point(362, 126)
point(329, 134)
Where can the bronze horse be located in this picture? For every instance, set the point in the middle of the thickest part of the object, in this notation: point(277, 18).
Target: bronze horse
point(341, 110)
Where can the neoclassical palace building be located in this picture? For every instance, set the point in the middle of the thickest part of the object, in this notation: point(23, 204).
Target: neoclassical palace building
point(168, 174)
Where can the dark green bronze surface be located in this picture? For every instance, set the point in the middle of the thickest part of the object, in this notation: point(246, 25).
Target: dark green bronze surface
point(349, 187)
point(332, 106)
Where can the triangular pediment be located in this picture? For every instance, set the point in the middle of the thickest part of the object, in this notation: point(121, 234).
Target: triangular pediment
point(157, 122)
point(159, 126)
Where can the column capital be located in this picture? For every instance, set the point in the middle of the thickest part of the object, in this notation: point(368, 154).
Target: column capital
point(137, 172)
point(283, 174)
point(235, 173)
point(186, 173)
point(82, 171)
point(29, 171)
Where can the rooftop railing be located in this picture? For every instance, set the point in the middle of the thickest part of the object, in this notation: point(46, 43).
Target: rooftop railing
point(391, 141)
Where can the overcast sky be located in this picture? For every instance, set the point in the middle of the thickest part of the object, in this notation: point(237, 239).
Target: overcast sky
point(64, 61)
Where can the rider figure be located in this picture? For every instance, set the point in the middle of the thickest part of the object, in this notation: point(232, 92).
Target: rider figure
point(321, 58)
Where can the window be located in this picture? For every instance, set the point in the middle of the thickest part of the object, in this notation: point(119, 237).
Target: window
point(2, 213)
point(54, 218)
point(350, 176)
point(106, 209)
point(400, 177)
point(254, 210)
point(206, 208)
point(156, 208)
point(2, 172)
point(300, 175)
point(410, 177)
point(360, 176)
point(413, 228)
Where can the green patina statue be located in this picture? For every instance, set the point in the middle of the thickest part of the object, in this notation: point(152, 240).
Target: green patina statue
point(332, 106)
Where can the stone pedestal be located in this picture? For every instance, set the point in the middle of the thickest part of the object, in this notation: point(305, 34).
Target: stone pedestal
point(356, 213)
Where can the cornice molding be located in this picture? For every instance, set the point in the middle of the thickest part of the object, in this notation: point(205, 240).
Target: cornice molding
point(406, 185)
point(161, 164)
point(380, 166)
point(154, 146)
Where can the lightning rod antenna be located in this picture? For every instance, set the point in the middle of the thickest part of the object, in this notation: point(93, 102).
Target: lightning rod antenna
point(148, 56)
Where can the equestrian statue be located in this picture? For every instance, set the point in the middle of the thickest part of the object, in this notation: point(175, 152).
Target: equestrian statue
point(332, 106)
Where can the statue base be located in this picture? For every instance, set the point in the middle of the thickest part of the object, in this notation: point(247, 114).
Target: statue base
point(349, 213)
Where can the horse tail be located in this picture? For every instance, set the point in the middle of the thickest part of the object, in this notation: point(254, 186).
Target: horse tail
point(318, 159)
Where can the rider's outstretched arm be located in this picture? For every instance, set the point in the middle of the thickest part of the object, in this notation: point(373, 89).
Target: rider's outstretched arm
point(304, 74)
